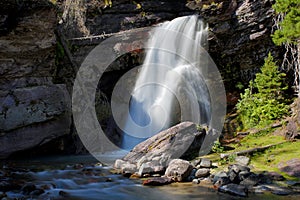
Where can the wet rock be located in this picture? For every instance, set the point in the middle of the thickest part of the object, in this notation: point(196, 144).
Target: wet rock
point(28, 188)
point(279, 190)
point(234, 189)
point(7, 186)
point(37, 192)
point(157, 181)
point(291, 167)
point(242, 160)
point(178, 170)
point(64, 194)
point(205, 163)
point(3, 195)
point(250, 181)
point(260, 189)
point(293, 183)
point(222, 181)
point(202, 173)
point(127, 174)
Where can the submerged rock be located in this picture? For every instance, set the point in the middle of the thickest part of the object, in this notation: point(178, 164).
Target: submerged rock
point(28, 188)
point(157, 181)
point(234, 189)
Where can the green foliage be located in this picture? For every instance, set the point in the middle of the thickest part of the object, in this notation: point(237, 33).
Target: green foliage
point(217, 147)
point(290, 26)
point(263, 101)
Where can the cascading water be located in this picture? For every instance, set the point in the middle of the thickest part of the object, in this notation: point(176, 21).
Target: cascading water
point(169, 87)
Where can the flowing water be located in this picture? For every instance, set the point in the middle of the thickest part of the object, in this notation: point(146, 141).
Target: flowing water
point(170, 87)
point(84, 179)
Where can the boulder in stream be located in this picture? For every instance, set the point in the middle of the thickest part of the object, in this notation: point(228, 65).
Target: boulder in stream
point(181, 141)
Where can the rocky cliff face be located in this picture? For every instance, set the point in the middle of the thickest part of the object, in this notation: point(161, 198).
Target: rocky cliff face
point(35, 85)
point(240, 36)
point(33, 110)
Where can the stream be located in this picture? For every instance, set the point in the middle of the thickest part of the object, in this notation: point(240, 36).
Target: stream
point(83, 177)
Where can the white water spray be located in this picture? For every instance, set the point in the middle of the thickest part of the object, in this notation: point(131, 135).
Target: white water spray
point(169, 87)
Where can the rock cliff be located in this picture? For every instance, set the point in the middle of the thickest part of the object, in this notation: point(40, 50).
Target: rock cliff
point(33, 110)
point(37, 69)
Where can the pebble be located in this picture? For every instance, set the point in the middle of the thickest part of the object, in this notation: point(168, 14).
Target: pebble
point(196, 181)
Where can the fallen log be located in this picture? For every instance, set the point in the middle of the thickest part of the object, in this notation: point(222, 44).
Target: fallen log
point(249, 151)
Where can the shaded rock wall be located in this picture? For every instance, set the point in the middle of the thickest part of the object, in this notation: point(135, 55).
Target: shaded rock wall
point(33, 110)
point(240, 36)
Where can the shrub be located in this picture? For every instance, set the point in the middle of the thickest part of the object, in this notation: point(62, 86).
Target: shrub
point(263, 101)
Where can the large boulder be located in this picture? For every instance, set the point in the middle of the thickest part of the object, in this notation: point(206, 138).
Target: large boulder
point(154, 155)
point(180, 141)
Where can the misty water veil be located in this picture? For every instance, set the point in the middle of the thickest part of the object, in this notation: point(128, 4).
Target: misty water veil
point(170, 87)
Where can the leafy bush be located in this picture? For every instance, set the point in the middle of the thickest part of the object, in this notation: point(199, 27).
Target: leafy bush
point(217, 147)
point(263, 101)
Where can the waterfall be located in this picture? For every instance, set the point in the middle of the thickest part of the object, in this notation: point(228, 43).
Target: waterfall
point(169, 86)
